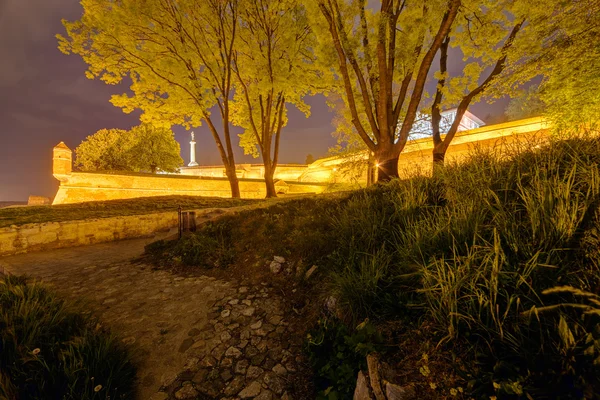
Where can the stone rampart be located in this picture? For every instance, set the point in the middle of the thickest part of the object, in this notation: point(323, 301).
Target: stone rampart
point(54, 235)
point(78, 187)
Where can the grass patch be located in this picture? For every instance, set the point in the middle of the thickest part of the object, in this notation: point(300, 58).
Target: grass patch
point(52, 349)
point(497, 257)
point(113, 208)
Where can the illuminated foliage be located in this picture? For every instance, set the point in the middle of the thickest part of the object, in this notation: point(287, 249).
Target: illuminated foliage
point(564, 49)
point(142, 149)
point(177, 54)
point(274, 66)
point(483, 35)
point(380, 58)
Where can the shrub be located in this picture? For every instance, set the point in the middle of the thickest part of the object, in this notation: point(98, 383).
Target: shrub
point(337, 354)
point(51, 349)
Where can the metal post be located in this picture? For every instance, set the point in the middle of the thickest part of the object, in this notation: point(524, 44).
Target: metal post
point(179, 221)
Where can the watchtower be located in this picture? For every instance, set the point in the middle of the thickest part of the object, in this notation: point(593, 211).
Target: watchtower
point(62, 162)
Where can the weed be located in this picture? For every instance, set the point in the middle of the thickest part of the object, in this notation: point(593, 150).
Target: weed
point(50, 348)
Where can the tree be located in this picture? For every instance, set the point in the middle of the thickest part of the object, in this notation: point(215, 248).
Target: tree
point(178, 55)
point(526, 104)
point(563, 49)
point(273, 64)
point(309, 159)
point(142, 149)
point(381, 60)
point(484, 32)
point(154, 149)
point(103, 151)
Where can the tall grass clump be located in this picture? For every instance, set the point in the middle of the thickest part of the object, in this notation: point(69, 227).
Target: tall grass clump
point(51, 349)
point(477, 250)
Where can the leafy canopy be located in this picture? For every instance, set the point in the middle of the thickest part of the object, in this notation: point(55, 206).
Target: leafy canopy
point(274, 66)
point(144, 148)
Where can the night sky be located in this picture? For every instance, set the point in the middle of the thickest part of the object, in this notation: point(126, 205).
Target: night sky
point(45, 98)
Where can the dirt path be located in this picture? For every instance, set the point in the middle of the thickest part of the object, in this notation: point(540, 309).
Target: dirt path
point(194, 337)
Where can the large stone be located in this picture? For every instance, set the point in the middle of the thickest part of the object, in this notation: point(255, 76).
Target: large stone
point(274, 382)
point(234, 386)
point(186, 392)
point(279, 369)
point(248, 311)
point(233, 352)
point(362, 391)
point(275, 267)
point(200, 376)
point(254, 372)
point(279, 259)
point(251, 390)
point(395, 392)
point(265, 395)
point(241, 367)
point(256, 325)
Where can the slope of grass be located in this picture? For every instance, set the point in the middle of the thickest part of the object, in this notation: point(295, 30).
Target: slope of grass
point(52, 349)
point(112, 208)
point(497, 261)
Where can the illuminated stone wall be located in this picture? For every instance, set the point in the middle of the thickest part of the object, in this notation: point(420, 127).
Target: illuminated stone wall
point(81, 187)
point(54, 235)
point(78, 187)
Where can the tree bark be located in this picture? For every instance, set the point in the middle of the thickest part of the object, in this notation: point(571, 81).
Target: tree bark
point(439, 156)
point(387, 164)
point(233, 180)
point(270, 182)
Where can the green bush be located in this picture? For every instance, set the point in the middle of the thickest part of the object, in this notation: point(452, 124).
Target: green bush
point(51, 349)
point(337, 354)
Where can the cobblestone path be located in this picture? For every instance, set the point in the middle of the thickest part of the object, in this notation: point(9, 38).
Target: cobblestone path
point(193, 337)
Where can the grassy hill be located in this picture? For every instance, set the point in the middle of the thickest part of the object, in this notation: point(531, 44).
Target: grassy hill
point(483, 280)
point(112, 208)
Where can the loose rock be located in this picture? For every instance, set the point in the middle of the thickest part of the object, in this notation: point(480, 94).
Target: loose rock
point(275, 267)
point(251, 390)
point(186, 392)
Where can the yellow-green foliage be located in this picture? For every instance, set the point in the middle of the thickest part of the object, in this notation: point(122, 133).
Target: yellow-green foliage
point(143, 148)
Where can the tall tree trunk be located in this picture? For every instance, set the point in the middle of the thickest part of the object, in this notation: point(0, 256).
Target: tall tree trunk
point(270, 182)
point(233, 180)
point(439, 156)
point(387, 163)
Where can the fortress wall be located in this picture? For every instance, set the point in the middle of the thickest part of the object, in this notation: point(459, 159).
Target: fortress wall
point(416, 158)
point(85, 186)
point(285, 172)
point(54, 235)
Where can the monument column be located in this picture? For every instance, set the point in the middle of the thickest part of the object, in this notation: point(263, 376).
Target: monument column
point(193, 162)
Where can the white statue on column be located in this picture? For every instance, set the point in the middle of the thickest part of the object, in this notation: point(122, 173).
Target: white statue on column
point(193, 162)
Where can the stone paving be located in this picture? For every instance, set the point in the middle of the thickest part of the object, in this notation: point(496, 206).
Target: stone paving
point(193, 337)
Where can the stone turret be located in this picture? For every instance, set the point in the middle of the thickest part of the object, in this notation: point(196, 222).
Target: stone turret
point(62, 162)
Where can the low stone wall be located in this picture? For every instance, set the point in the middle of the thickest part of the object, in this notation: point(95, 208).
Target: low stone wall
point(78, 187)
point(54, 235)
